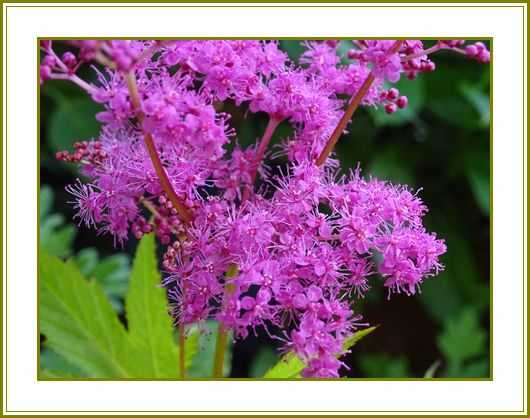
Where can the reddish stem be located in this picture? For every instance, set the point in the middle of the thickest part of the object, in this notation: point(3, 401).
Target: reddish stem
point(182, 210)
point(260, 153)
point(423, 52)
point(352, 107)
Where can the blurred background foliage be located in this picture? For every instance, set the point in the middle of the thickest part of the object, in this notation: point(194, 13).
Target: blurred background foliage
point(439, 144)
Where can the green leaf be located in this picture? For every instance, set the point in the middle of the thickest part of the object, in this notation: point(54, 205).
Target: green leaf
point(112, 273)
point(480, 101)
point(46, 201)
point(290, 366)
point(192, 347)
point(451, 105)
point(54, 237)
point(389, 165)
point(79, 322)
point(87, 260)
point(73, 120)
point(293, 48)
point(480, 187)
point(460, 283)
point(439, 296)
point(56, 365)
point(49, 374)
point(382, 365)
point(264, 360)
point(462, 338)
point(358, 336)
point(478, 176)
point(202, 364)
point(477, 368)
point(148, 320)
point(454, 111)
point(80, 326)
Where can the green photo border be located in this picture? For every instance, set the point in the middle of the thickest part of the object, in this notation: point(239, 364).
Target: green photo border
point(489, 378)
point(345, 4)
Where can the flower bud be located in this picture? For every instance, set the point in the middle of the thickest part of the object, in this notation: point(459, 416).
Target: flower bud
point(480, 46)
point(69, 59)
point(484, 56)
point(354, 54)
point(392, 94)
point(471, 51)
point(402, 102)
point(390, 108)
point(46, 44)
point(45, 72)
point(49, 60)
point(333, 43)
point(430, 66)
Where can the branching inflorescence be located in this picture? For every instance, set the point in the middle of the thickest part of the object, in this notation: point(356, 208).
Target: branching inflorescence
point(291, 256)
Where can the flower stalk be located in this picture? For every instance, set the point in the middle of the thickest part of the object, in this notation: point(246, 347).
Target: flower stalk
point(220, 348)
point(222, 333)
point(339, 129)
point(260, 153)
point(350, 110)
point(182, 210)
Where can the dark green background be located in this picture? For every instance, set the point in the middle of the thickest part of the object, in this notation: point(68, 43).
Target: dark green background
point(440, 143)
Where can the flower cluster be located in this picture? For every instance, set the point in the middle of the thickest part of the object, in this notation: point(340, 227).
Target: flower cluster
point(290, 256)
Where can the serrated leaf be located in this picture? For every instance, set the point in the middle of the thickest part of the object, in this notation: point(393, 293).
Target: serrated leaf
point(148, 320)
point(192, 347)
point(79, 322)
point(462, 338)
point(478, 175)
point(80, 325)
point(294, 48)
point(382, 365)
point(56, 365)
point(477, 368)
point(460, 283)
point(479, 100)
point(111, 272)
point(55, 237)
point(357, 336)
point(264, 360)
point(87, 260)
point(73, 120)
point(45, 200)
point(290, 366)
point(202, 364)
